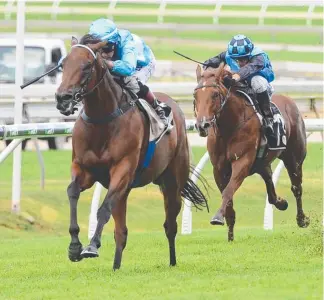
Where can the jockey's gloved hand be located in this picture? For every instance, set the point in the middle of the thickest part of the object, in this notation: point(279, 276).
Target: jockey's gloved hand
point(228, 81)
point(60, 63)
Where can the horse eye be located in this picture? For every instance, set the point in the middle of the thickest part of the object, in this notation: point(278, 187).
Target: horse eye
point(215, 95)
point(87, 66)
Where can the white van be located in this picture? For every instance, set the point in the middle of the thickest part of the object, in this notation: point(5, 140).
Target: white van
point(41, 54)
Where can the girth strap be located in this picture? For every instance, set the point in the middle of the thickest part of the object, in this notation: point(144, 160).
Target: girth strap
point(115, 114)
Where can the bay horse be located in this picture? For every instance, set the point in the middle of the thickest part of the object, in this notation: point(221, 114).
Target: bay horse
point(234, 135)
point(109, 143)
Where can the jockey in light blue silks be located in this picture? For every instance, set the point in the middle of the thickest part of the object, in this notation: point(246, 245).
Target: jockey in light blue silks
point(251, 64)
point(127, 55)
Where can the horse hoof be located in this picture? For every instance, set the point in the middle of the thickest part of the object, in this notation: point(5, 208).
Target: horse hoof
point(89, 252)
point(281, 204)
point(74, 252)
point(303, 222)
point(230, 237)
point(217, 220)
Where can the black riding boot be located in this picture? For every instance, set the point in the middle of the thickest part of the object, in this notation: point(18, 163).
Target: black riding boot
point(160, 111)
point(264, 103)
point(146, 94)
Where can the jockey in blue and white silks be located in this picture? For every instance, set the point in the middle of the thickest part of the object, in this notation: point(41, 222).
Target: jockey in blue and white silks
point(127, 55)
point(251, 64)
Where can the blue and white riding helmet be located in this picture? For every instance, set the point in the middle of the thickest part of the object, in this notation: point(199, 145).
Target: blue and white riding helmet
point(106, 30)
point(240, 46)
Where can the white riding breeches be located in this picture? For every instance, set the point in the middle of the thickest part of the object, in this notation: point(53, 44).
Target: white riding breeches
point(142, 75)
point(259, 85)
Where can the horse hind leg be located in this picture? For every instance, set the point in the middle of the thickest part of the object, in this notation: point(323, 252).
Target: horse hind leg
point(295, 172)
point(172, 207)
point(278, 202)
point(230, 220)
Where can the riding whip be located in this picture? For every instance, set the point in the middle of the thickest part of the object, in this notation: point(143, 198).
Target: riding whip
point(39, 77)
point(206, 65)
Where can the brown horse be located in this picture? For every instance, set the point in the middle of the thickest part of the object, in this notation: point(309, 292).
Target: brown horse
point(234, 135)
point(109, 142)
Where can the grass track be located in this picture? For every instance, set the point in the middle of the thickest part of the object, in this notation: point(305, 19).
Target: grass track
point(283, 264)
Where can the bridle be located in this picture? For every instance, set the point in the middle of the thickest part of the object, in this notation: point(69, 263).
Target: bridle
point(82, 92)
point(223, 101)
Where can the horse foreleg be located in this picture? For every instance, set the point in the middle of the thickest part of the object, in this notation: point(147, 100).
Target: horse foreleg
point(266, 174)
point(240, 170)
point(75, 247)
point(121, 231)
point(222, 174)
point(172, 207)
point(118, 189)
point(73, 192)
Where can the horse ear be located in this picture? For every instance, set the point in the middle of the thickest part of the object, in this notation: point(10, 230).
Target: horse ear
point(74, 41)
point(98, 46)
point(220, 71)
point(198, 73)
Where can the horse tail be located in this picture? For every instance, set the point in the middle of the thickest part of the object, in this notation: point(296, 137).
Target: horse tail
point(192, 192)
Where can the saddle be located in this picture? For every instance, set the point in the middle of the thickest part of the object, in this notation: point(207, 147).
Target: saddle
point(275, 140)
point(157, 128)
point(149, 111)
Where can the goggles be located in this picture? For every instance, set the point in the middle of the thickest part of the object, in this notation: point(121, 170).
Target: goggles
point(109, 47)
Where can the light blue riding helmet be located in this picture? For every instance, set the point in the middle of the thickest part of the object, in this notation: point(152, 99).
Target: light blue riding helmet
point(104, 29)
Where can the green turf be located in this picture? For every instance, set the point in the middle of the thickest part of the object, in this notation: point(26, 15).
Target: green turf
point(283, 264)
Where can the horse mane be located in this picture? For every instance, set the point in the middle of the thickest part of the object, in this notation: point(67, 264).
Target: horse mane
point(221, 72)
point(89, 39)
point(218, 73)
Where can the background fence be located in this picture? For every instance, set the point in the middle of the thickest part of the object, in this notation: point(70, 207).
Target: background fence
point(160, 9)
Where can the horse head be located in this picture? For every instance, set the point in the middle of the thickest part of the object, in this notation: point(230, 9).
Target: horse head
point(210, 97)
point(80, 73)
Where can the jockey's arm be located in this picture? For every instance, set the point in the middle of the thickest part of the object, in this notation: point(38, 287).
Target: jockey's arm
point(126, 66)
point(255, 65)
point(215, 61)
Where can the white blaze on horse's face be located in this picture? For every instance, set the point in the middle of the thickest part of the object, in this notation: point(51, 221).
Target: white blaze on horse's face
point(205, 102)
point(77, 75)
point(76, 66)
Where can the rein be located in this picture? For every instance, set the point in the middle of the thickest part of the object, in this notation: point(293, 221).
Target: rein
point(224, 100)
point(82, 93)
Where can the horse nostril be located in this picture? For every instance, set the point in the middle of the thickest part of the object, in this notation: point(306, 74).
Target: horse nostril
point(206, 125)
point(63, 97)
